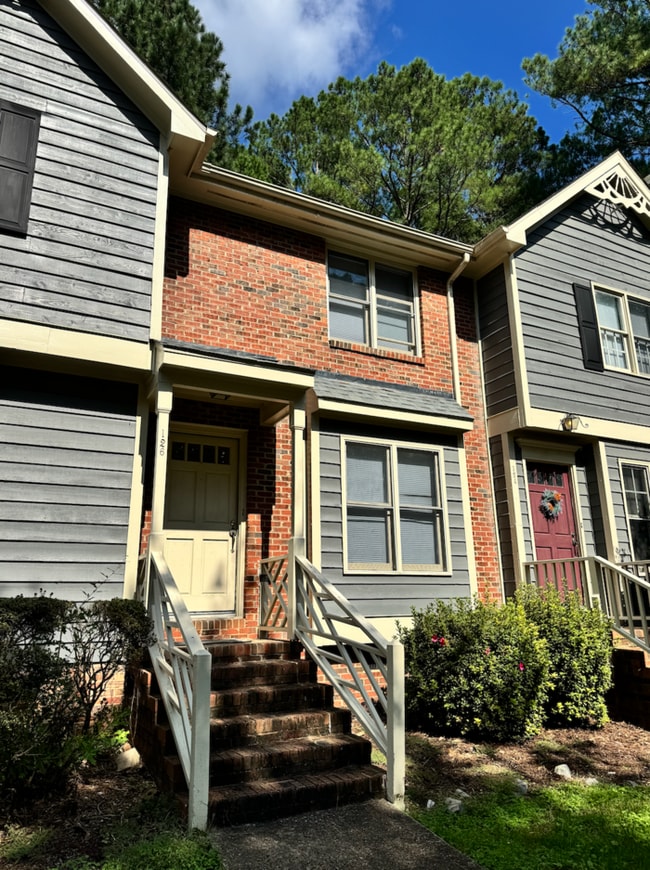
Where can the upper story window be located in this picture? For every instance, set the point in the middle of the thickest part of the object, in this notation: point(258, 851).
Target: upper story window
point(18, 138)
point(624, 326)
point(371, 303)
point(394, 508)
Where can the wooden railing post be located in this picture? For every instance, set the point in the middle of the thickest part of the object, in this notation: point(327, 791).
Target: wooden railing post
point(197, 811)
point(396, 731)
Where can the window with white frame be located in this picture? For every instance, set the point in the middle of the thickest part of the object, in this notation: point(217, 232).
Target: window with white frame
point(372, 303)
point(624, 325)
point(393, 503)
point(637, 508)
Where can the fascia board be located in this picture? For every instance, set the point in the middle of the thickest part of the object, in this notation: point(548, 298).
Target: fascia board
point(336, 224)
point(347, 410)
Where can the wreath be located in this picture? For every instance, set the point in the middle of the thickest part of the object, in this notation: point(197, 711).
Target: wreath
point(551, 503)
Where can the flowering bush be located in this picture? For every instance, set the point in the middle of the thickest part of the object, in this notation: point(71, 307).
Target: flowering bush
point(580, 647)
point(476, 669)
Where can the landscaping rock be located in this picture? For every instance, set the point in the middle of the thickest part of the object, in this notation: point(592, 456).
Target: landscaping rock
point(127, 760)
point(563, 771)
point(453, 805)
point(430, 804)
point(590, 780)
point(521, 786)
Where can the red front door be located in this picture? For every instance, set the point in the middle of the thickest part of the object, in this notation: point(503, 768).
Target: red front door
point(554, 528)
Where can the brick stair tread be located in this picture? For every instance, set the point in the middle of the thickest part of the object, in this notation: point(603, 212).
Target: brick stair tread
point(253, 801)
point(238, 700)
point(252, 650)
point(279, 726)
point(260, 672)
point(263, 761)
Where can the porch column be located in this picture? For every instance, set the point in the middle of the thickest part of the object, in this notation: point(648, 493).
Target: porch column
point(164, 401)
point(299, 477)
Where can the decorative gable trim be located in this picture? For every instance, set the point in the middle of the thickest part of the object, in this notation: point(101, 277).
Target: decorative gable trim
point(621, 190)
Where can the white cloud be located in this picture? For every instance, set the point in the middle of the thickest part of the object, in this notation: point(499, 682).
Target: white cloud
point(277, 50)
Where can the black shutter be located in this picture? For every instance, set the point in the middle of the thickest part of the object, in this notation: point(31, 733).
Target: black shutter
point(18, 138)
point(592, 353)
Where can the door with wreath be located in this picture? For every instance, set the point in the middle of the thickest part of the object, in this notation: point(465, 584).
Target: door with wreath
point(554, 529)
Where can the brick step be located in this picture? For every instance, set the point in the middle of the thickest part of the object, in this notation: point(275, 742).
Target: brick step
point(270, 699)
point(278, 760)
point(261, 673)
point(257, 801)
point(226, 733)
point(252, 650)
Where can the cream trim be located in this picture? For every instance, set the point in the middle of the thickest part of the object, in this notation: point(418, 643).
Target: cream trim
point(225, 368)
point(77, 346)
point(510, 463)
point(543, 451)
point(159, 245)
point(517, 340)
point(429, 421)
point(605, 494)
point(469, 525)
point(137, 492)
point(315, 521)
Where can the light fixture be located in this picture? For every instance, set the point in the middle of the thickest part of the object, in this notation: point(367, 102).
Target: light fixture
point(570, 423)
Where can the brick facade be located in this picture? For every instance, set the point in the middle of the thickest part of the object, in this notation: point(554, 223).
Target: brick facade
point(240, 284)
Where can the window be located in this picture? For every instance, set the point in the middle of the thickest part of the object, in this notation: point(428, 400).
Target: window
point(371, 303)
point(637, 509)
point(18, 137)
point(624, 326)
point(394, 517)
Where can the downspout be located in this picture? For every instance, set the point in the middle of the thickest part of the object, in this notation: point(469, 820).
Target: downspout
point(451, 312)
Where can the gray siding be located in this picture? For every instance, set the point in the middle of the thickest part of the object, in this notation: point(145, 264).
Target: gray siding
point(496, 343)
point(86, 261)
point(390, 595)
point(66, 463)
point(504, 523)
point(588, 241)
point(615, 453)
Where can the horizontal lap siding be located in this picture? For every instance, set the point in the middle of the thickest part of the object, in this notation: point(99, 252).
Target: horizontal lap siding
point(66, 464)
point(389, 595)
point(504, 521)
point(496, 343)
point(86, 261)
point(579, 245)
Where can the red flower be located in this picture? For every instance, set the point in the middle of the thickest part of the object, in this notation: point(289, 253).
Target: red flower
point(434, 638)
point(521, 666)
point(442, 641)
point(487, 650)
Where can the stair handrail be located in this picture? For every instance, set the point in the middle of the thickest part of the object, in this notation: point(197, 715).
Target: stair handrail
point(620, 593)
point(299, 599)
point(182, 666)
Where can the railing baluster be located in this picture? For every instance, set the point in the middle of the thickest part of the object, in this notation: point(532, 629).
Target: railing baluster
point(321, 615)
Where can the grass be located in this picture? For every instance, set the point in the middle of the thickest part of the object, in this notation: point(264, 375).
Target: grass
point(152, 838)
point(565, 827)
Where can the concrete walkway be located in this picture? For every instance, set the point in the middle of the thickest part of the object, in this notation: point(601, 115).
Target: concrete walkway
point(368, 835)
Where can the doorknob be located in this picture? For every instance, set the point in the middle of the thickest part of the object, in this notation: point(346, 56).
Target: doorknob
point(233, 534)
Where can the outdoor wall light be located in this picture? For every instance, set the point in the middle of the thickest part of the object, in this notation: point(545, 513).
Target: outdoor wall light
point(570, 422)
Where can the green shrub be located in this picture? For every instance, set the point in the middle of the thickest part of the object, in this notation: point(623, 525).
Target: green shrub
point(55, 661)
point(580, 646)
point(475, 670)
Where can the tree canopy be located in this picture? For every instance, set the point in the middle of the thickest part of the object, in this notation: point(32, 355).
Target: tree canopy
point(169, 35)
point(602, 72)
point(453, 157)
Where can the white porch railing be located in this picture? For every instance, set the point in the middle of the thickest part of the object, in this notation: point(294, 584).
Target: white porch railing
point(350, 652)
point(621, 591)
point(182, 666)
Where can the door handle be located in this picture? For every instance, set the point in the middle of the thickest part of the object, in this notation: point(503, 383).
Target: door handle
point(234, 531)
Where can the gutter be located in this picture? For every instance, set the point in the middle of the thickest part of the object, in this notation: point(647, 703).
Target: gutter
point(451, 312)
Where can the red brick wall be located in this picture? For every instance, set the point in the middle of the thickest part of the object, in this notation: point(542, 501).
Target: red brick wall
point(244, 284)
point(248, 285)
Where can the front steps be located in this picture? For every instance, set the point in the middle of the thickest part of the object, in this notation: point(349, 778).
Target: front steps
point(278, 746)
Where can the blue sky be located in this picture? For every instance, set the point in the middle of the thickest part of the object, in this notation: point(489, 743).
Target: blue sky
point(278, 50)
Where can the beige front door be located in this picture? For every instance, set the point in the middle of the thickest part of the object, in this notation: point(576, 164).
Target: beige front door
point(203, 519)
